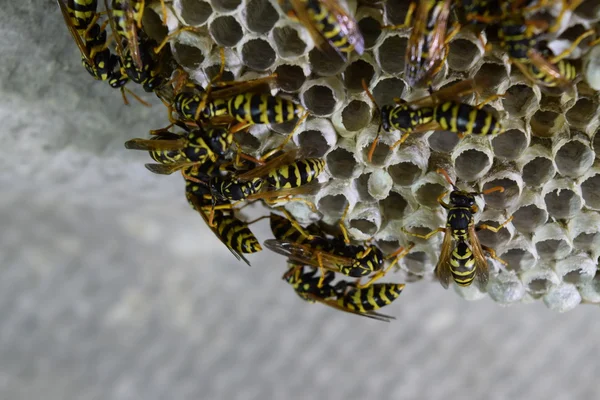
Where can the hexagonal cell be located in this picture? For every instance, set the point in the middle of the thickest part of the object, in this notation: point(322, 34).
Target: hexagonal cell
point(260, 16)
point(391, 54)
point(528, 218)
point(490, 76)
point(563, 298)
point(587, 241)
point(563, 204)
point(576, 269)
point(395, 11)
point(362, 187)
point(319, 100)
point(518, 99)
point(517, 259)
point(367, 227)
point(539, 286)
point(472, 164)
point(394, 206)
point(574, 158)
point(405, 173)
point(226, 5)
point(417, 262)
point(323, 64)
point(355, 73)
point(596, 143)
point(380, 154)
point(511, 144)
point(463, 54)
point(333, 205)
point(288, 42)
point(153, 25)
point(582, 113)
point(371, 30)
point(588, 10)
point(546, 123)
point(552, 249)
point(428, 193)
point(226, 31)
point(538, 171)
point(212, 70)
point(387, 89)
point(258, 54)
point(506, 288)
point(195, 12)
point(501, 200)
point(290, 78)
point(590, 190)
point(443, 141)
point(491, 239)
point(379, 185)
point(188, 56)
point(312, 143)
point(356, 115)
point(341, 163)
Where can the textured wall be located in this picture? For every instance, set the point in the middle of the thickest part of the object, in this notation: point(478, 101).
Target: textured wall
point(107, 290)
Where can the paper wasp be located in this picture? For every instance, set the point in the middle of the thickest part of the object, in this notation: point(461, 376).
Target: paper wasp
point(343, 296)
point(465, 261)
point(331, 27)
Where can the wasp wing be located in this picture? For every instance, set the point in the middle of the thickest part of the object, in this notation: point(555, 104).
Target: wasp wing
point(334, 304)
point(78, 40)
point(262, 170)
point(442, 269)
point(308, 255)
point(482, 270)
point(153, 145)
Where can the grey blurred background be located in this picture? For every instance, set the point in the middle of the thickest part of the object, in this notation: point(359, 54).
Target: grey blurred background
point(112, 288)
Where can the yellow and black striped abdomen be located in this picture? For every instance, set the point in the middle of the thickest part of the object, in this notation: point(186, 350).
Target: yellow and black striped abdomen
point(372, 297)
point(82, 13)
point(300, 172)
point(565, 68)
point(166, 156)
point(326, 23)
point(236, 234)
point(462, 264)
point(256, 108)
point(466, 119)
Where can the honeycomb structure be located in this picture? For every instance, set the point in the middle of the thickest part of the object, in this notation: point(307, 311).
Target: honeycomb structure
point(547, 160)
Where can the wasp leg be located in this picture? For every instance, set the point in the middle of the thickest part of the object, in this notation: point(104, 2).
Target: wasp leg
point(492, 254)
point(492, 228)
point(400, 141)
point(427, 236)
point(176, 32)
point(297, 226)
point(287, 139)
point(571, 48)
point(343, 226)
point(398, 255)
point(493, 189)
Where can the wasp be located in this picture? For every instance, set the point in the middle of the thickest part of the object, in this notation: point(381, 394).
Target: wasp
point(466, 261)
point(441, 110)
point(125, 17)
point(343, 296)
point(334, 254)
point(332, 29)
point(234, 233)
point(175, 151)
point(91, 39)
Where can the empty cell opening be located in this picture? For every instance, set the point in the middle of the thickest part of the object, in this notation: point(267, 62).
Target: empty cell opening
point(366, 227)
point(333, 206)
point(319, 100)
point(323, 64)
point(564, 205)
point(213, 70)
point(463, 54)
point(542, 123)
point(371, 30)
point(396, 11)
point(588, 9)
point(552, 249)
point(195, 12)
point(516, 259)
point(153, 26)
point(586, 241)
point(226, 31)
point(490, 76)
point(539, 286)
point(341, 163)
point(500, 200)
point(246, 141)
point(517, 98)
point(405, 173)
point(225, 5)
point(416, 262)
point(260, 16)
point(527, 219)
point(188, 56)
point(380, 154)
point(590, 190)
point(387, 89)
point(573, 277)
point(538, 171)
point(510, 145)
point(312, 143)
point(355, 73)
point(582, 112)
point(443, 141)
point(574, 159)
point(596, 143)
point(427, 194)
point(290, 78)
point(491, 239)
point(356, 115)
point(362, 187)
point(470, 163)
point(258, 54)
point(393, 206)
point(388, 246)
point(391, 54)
point(288, 43)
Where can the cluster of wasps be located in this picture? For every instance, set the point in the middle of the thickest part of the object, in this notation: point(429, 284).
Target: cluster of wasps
point(219, 176)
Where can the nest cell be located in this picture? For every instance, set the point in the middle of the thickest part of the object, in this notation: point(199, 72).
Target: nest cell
point(379, 184)
point(443, 141)
point(370, 28)
point(195, 12)
point(506, 288)
point(380, 154)
point(576, 269)
point(364, 221)
point(596, 143)
point(394, 206)
point(260, 16)
point(395, 11)
point(472, 164)
point(153, 25)
point(188, 56)
point(225, 6)
point(288, 42)
point(405, 173)
point(465, 51)
point(506, 199)
point(390, 54)
point(562, 202)
point(312, 143)
point(590, 190)
point(551, 242)
point(341, 163)
point(563, 298)
point(427, 190)
point(573, 158)
point(592, 67)
point(325, 65)
point(362, 187)
point(538, 171)
point(355, 73)
point(582, 115)
point(540, 280)
point(588, 10)
point(417, 262)
point(519, 259)
point(511, 144)
point(226, 31)
point(491, 78)
point(528, 218)
point(492, 239)
point(387, 89)
point(546, 124)
point(521, 100)
point(590, 291)
point(332, 205)
point(257, 54)
point(585, 230)
point(290, 78)
point(356, 115)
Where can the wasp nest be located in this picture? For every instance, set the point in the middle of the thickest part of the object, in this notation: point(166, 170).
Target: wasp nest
point(547, 160)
